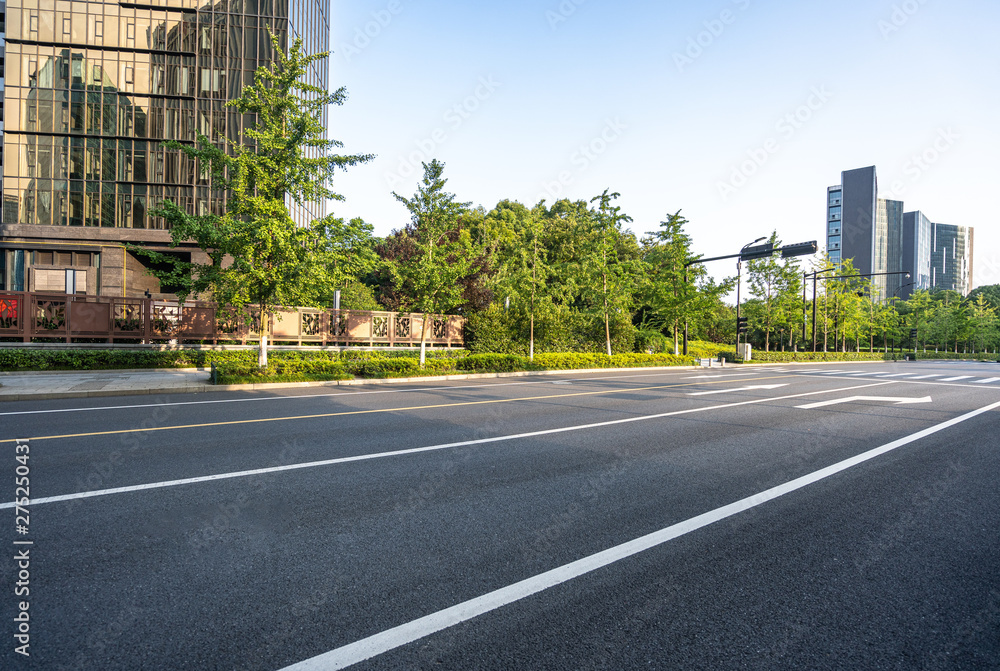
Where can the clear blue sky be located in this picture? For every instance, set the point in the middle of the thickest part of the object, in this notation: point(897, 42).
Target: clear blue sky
point(738, 112)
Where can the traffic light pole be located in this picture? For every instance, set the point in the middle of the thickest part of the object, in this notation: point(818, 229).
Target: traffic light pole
point(746, 254)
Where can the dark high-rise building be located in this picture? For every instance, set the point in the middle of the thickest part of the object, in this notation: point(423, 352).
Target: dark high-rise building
point(859, 190)
point(883, 241)
point(92, 90)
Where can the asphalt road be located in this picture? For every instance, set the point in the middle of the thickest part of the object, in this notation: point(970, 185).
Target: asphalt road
point(820, 517)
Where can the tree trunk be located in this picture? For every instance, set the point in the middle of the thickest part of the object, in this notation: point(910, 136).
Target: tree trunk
point(423, 340)
point(531, 342)
point(607, 325)
point(262, 347)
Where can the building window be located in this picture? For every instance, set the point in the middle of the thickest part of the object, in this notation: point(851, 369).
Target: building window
point(67, 27)
point(129, 74)
point(99, 28)
point(33, 23)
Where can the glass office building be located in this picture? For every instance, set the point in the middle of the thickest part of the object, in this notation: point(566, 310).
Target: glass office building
point(918, 234)
point(880, 238)
point(92, 90)
point(951, 258)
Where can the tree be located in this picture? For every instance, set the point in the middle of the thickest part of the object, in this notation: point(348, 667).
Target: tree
point(604, 263)
point(776, 284)
point(259, 258)
point(442, 252)
point(673, 292)
point(522, 273)
point(983, 319)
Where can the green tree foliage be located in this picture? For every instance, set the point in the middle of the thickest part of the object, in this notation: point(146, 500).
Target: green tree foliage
point(775, 282)
point(442, 252)
point(258, 257)
point(606, 271)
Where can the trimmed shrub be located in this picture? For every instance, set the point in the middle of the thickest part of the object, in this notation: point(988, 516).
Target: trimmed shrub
point(494, 363)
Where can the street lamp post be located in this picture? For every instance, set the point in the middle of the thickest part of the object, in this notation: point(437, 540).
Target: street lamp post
point(739, 281)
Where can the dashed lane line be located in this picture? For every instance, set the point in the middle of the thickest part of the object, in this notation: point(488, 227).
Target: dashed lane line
point(347, 413)
point(418, 450)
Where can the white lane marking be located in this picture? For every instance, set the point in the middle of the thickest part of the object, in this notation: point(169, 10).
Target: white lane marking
point(893, 374)
point(837, 372)
point(871, 372)
point(712, 377)
point(924, 377)
point(414, 450)
point(987, 380)
point(953, 379)
point(851, 399)
point(311, 396)
point(390, 639)
point(729, 391)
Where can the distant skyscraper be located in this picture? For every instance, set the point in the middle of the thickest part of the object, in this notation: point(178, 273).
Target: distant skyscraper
point(918, 238)
point(888, 249)
point(880, 238)
point(951, 258)
point(93, 88)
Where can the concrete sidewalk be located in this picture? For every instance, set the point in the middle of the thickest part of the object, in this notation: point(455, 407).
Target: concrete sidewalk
point(70, 384)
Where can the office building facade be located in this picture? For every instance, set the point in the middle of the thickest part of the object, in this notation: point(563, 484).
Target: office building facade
point(951, 258)
point(918, 239)
point(884, 241)
point(92, 90)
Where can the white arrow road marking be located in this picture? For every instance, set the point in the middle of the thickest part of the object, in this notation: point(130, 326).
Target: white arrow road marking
point(726, 391)
point(851, 399)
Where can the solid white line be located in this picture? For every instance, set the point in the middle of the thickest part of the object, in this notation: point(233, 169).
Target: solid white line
point(310, 396)
point(415, 450)
point(415, 630)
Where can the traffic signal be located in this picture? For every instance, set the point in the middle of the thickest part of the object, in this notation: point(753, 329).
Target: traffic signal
point(799, 249)
point(741, 324)
point(913, 333)
point(758, 252)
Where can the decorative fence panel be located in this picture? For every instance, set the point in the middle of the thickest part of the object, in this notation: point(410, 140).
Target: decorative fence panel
point(27, 316)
